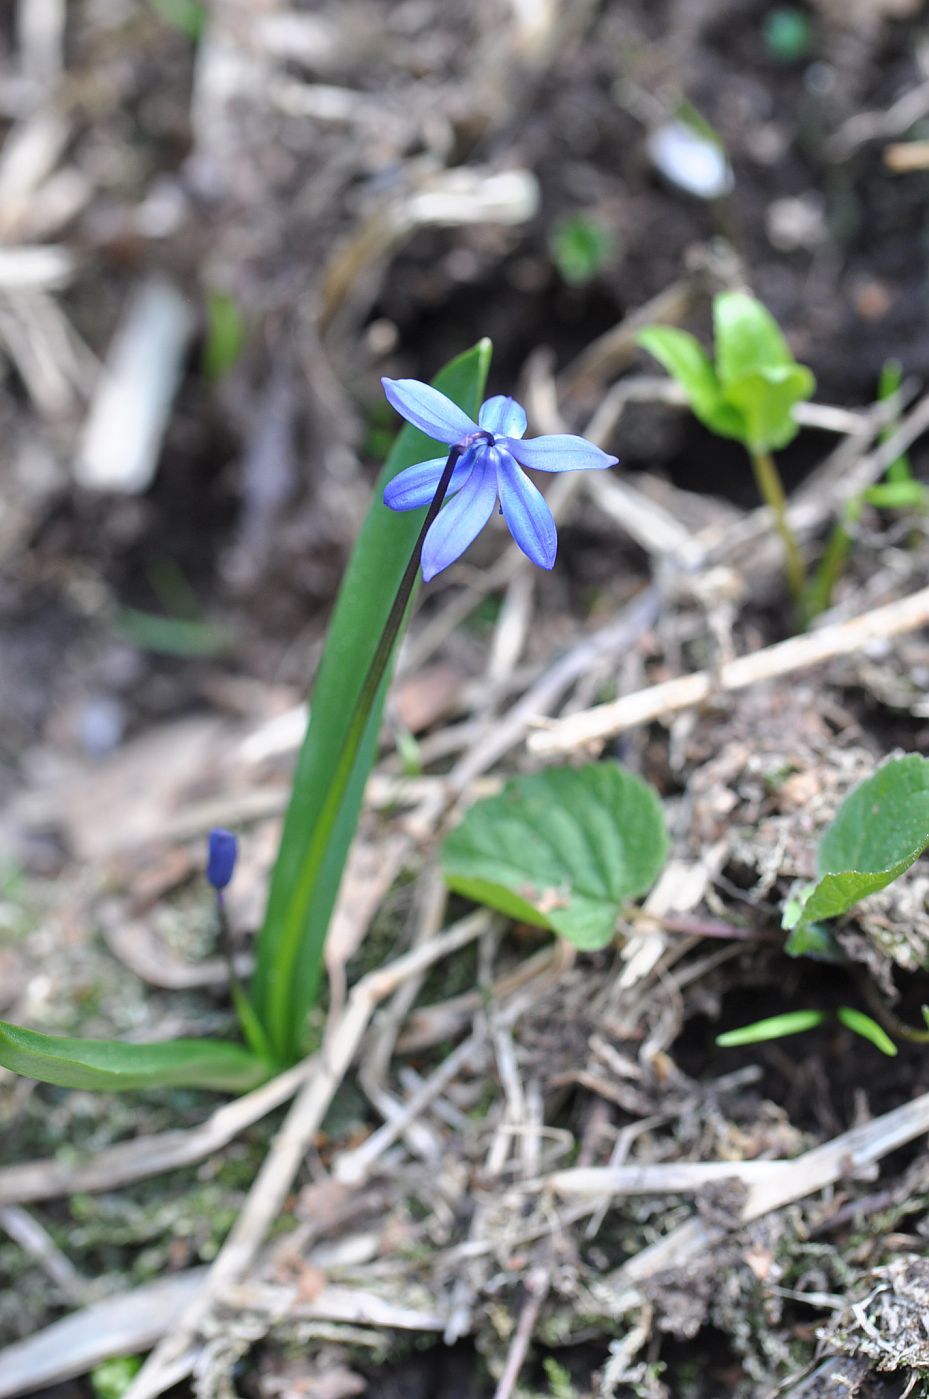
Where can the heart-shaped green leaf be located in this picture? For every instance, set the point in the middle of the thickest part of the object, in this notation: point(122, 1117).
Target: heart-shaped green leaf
point(563, 849)
point(748, 338)
point(751, 390)
point(115, 1067)
point(686, 360)
point(881, 828)
point(765, 399)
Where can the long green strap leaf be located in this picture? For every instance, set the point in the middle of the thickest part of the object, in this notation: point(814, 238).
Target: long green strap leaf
point(305, 881)
point(112, 1066)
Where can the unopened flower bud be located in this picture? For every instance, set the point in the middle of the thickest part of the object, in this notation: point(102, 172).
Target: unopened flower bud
point(222, 850)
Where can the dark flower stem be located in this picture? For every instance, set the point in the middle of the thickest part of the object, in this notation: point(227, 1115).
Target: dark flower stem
point(248, 1020)
point(396, 614)
point(225, 943)
point(771, 488)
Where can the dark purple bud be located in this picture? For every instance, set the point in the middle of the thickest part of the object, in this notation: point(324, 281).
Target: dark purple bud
point(220, 864)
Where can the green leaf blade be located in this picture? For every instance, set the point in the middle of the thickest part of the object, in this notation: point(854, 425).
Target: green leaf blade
point(880, 830)
point(748, 338)
point(562, 849)
point(905, 494)
point(774, 1027)
point(868, 1029)
point(291, 941)
point(883, 823)
point(766, 400)
point(114, 1067)
point(685, 359)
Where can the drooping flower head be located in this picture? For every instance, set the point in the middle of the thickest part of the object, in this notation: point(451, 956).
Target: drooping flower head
point(490, 468)
point(222, 849)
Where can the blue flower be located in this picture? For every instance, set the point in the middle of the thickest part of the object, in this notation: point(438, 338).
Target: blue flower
point(489, 469)
point(222, 848)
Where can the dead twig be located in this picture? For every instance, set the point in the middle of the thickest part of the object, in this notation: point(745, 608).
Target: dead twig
point(849, 1153)
point(33, 1239)
point(506, 731)
point(657, 1177)
point(604, 721)
point(353, 1167)
point(148, 1156)
point(536, 1285)
point(121, 1325)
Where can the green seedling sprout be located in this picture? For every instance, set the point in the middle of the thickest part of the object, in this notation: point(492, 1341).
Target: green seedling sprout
point(797, 1022)
point(225, 334)
point(788, 34)
point(580, 246)
point(748, 393)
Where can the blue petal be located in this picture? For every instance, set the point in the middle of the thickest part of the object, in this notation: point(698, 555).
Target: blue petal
point(560, 452)
point(528, 517)
point(416, 485)
point(461, 521)
point(429, 410)
point(503, 416)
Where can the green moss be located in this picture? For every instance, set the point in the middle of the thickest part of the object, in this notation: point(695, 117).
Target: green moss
point(124, 1237)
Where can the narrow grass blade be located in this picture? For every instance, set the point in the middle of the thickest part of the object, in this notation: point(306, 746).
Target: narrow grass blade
point(775, 1027)
point(868, 1029)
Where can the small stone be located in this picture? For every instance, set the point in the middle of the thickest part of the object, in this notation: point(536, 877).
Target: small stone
point(792, 224)
point(101, 723)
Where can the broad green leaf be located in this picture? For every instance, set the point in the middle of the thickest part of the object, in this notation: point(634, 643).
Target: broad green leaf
point(685, 359)
point(883, 824)
point(290, 945)
point(868, 1029)
point(563, 849)
point(748, 338)
point(880, 830)
point(116, 1067)
point(775, 1027)
point(765, 399)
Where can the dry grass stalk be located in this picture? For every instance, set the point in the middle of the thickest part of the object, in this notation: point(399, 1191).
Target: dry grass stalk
point(604, 721)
